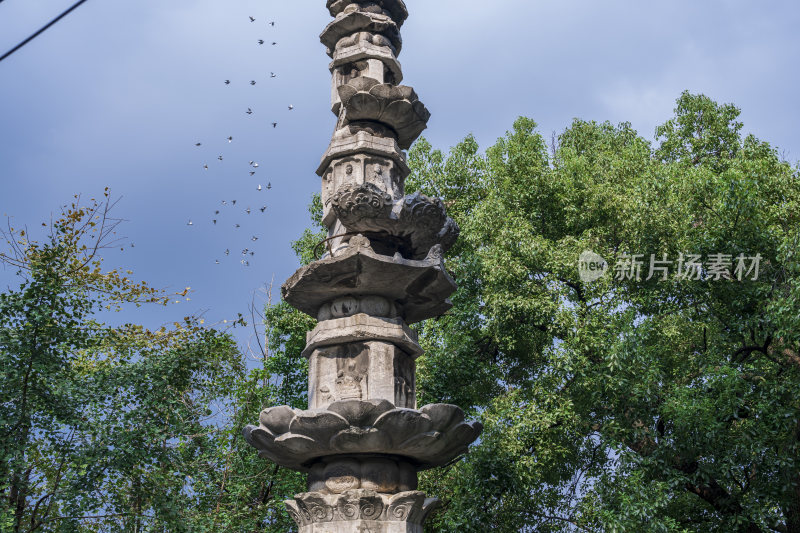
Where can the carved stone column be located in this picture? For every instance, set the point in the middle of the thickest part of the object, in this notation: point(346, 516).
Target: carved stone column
point(363, 440)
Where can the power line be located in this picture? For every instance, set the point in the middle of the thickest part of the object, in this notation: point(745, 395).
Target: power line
point(47, 26)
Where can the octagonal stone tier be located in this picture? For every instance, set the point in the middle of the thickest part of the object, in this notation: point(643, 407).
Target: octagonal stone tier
point(363, 47)
point(361, 141)
point(348, 23)
point(419, 289)
point(427, 438)
point(396, 8)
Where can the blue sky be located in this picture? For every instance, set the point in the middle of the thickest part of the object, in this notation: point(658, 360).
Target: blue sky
point(119, 92)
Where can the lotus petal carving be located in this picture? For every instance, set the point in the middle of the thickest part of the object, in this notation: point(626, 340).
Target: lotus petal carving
point(397, 106)
point(430, 437)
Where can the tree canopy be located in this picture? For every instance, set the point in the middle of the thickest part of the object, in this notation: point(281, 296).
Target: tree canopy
point(661, 393)
point(624, 403)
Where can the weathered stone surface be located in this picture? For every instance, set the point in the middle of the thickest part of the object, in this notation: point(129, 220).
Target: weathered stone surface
point(395, 8)
point(361, 413)
point(376, 370)
point(366, 99)
point(363, 140)
point(421, 440)
point(359, 510)
point(353, 52)
point(357, 205)
point(418, 221)
point(383, 173)
point(362, 55)
point(419, 288)
point(372, 305)
point(363, 328)
point(349, 23)
point(388, 475)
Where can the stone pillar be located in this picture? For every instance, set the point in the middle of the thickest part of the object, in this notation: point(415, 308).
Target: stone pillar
point(363, 440)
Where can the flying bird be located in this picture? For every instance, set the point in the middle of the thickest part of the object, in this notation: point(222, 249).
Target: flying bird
point(227, 251)
point(205, 167)
point(227, 82)
point(274, 124)
point(258, 188)
point(198, 144)
point(216, 212)
point(252, 19)
point(224, 202)
point(261, 41)
point(220, 158)
point(254, 238)
point(274, 43)
point(291, 107)
point(272, 23)
point(252, 172)
point(190, 223)
point(269, 185)
point(252, 82)
point(255, 165)
point(247, 210)
point(237, 225)
point(215, 222)
point(263, 208)
point(233, 202)
point(273, 75)
point(217, 261)
point(230, 139)
point(249, 111)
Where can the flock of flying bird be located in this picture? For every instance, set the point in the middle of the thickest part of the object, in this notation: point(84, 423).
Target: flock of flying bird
point(246, 253)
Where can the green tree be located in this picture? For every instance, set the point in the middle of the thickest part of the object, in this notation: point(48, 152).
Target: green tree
point(101, 427)
point(622, 404)
point(619, 405)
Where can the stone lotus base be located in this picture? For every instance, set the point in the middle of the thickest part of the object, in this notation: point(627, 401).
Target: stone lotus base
point(429, 437)
point(397, 106)
point(361, 511)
